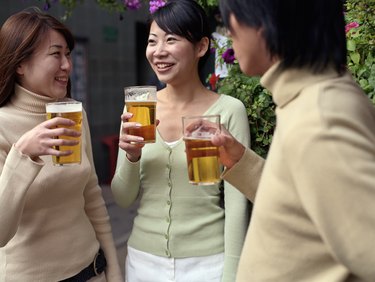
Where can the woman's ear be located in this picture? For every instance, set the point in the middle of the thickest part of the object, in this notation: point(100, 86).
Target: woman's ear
point(19, 70)
point(202, 46)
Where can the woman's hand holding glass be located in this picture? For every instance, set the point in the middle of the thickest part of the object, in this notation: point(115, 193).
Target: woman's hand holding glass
point(130, 143)
point(41, 140)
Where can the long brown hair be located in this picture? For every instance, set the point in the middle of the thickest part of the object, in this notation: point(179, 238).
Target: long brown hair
point(20, 36)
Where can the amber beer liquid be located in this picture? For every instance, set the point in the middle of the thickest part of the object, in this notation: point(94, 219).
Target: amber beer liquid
point(141, 102)
point(143, 113)
point(73, 111)
point(203, 161)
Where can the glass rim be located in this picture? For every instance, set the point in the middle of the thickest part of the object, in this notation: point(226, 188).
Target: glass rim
point(201, 116)
point(64, 102)
point(140, 87)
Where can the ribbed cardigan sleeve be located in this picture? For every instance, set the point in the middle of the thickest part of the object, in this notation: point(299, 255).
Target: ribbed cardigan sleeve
point(236, 205)
point(125, 184)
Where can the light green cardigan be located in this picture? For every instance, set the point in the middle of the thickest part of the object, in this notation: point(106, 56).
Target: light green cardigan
point(176, 219)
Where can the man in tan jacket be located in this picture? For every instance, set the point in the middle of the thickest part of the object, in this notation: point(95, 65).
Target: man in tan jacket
point(314, 212)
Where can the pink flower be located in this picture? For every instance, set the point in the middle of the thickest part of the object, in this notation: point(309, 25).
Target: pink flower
point(132, 4)
point(351, 25)
point(155, 5)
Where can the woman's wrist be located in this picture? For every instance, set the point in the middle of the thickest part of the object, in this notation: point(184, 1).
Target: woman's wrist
point(132, 159)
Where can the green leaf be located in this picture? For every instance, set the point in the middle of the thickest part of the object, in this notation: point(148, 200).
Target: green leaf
point(355, 57)
point(351, 45)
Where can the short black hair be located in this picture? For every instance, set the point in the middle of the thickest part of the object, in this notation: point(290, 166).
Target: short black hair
point(184, 18)
point(300, 33)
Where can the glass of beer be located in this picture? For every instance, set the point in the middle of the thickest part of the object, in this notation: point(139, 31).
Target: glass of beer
point(71, 110)
point(141, 102)
point(202, 156)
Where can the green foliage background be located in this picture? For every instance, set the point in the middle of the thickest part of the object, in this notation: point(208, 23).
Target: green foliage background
point(361, 44)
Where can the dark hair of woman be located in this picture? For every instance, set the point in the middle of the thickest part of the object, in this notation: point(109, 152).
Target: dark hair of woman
point(20, 36)
point(184, 18)
point(296, 32)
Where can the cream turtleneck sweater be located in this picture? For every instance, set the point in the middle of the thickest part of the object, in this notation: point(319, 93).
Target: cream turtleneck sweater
point(53, 219)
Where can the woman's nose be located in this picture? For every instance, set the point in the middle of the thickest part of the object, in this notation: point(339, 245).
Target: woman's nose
point(159, 49)
point(66, 63)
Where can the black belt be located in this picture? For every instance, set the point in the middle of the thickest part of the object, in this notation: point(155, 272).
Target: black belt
point(94, 269)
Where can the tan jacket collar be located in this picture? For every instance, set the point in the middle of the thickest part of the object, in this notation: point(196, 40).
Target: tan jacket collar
point(285, 85)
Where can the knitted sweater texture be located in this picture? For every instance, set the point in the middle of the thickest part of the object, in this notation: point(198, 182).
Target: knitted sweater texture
point(53, 219)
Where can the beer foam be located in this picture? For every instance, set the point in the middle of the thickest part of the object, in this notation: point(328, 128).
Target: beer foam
point(64, 107)
point(141, 97)
point(140, 93)
point(199, 134)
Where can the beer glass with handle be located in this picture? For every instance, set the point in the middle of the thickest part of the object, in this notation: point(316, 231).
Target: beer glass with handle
point(70, 109)
point(202, 156)
point(141, 102)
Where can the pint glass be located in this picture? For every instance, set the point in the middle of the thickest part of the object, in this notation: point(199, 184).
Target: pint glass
point(141, 102)
point(202, 156)
point(70, 110)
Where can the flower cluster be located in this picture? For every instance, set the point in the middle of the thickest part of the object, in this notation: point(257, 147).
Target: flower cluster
point(155, 5)
point(132, 4)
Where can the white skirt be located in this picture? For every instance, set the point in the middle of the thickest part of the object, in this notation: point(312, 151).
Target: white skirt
point(145, 267)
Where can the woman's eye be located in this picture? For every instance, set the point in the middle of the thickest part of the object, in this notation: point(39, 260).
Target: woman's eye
point(151, 42)
point(171, 39)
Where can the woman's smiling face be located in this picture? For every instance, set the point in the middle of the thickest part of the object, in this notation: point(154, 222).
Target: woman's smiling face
point(173, 58)
point(47, 71)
